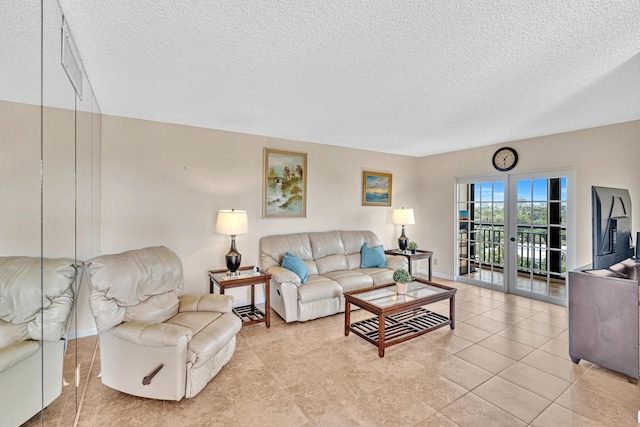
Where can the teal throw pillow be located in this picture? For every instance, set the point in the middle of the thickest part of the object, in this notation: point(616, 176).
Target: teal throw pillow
point(372, 257)
point(295, 264)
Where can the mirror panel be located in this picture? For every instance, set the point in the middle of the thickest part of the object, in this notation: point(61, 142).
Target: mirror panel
point(49, 176)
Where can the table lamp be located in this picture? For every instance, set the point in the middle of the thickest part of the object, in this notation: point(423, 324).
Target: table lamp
point(403, 217)
point(232, 222)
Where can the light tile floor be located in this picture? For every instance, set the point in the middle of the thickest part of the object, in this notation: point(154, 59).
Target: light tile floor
point(506, 363)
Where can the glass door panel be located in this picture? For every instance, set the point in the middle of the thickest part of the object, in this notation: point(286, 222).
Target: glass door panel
point(514, 236)
point(538, 236)
point(481, 213)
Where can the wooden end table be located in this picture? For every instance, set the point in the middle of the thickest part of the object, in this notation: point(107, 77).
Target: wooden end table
point(398, 317)
point(249, 314)
point(420, 254)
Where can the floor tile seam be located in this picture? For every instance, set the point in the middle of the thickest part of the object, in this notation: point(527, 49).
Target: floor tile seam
point(547, 408)
point(516, 342)
point(553, 354)
point(537, 333)
point(520, 387)
point(442, 415)
point(595, 390)
point(548, 325)
point(475, 366)
point(609, 401)
point(485, 401)
point(531, 391)
point(485, 305)
point(507, 324)
point(572, 382)
point(525, 316)
point(540, 413)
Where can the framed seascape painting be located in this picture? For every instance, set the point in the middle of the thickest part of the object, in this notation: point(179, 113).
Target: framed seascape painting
point(284, 191)
point(376, 189)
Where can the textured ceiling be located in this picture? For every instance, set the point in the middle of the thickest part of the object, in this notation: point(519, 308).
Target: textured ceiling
point(410, 77)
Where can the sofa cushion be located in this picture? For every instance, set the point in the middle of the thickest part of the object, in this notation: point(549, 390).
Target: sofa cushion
point(10, 333)
point(318, 287)
point(156, 308)
point(126, 279)
point(353, 240)
point(379, 276)
point(21, 294)
point(273, 248)
point(332, 263)
point(295, 264)
point(372, 257)
point(326, 243)
point(350, 279)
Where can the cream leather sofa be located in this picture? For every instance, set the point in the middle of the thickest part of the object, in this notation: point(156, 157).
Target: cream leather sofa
point(32, 338)
point(333, 261)
point(155, 342)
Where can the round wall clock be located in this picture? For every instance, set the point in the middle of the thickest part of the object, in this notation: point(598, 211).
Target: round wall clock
point(505, 159)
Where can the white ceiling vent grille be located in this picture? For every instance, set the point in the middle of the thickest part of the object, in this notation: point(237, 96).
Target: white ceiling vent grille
point(71, 60)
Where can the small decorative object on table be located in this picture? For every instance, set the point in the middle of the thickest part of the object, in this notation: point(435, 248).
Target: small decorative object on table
point(402, 279)
point(412, 246)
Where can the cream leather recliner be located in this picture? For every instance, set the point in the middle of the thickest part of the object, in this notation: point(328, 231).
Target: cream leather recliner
point(153, 342)
point(36, 302)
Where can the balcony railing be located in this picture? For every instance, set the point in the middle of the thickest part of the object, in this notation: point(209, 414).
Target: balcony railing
point(533, 251)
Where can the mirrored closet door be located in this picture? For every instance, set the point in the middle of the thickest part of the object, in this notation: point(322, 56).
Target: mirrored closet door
point(50, 132)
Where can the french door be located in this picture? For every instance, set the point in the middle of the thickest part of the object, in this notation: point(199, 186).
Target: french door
point(515, 233)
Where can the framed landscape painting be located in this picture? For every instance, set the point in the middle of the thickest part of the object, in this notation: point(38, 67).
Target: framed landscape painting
point(284, 191)
point(376, 189)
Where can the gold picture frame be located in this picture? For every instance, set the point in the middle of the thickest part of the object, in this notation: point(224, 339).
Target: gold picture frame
point(377, 188)
point(284, 188)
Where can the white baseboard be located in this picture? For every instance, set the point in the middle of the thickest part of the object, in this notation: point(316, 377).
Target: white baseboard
point(444, 276)
point(84, 333)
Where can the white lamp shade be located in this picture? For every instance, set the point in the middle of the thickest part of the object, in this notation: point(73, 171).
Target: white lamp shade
point(232, 222)
point(403, 217)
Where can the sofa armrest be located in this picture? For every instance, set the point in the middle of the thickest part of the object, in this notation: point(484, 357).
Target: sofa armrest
point(206, 302)
point(152, 334)
point(395, 262)
point(281, 275)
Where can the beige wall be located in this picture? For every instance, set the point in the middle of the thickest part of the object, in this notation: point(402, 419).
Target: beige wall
point(605, 156)
point(162, 184)
point(70, 192)
point(68, 161)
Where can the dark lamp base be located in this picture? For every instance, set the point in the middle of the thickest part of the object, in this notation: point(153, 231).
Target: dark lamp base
point(403, 241)
point(233, 258)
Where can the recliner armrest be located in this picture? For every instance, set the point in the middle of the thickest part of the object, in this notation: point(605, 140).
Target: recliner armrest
point(281, 275)
point(16, 353)
point(206, 302)
point(152, 334)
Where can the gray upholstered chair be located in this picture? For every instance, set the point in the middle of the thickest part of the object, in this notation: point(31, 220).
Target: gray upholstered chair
point(36, 302)
point(155, 342)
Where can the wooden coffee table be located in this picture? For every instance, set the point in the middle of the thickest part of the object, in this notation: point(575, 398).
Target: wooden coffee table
point(399, 317)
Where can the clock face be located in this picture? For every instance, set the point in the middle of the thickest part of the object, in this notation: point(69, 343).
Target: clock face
point(505, 159)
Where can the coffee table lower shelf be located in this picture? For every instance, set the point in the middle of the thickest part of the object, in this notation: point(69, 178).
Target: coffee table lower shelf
point(400, 327)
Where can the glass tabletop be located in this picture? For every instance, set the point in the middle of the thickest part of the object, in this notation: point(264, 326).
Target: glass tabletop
point(387, 296)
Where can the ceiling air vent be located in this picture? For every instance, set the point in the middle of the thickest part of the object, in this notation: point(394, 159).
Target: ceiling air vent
point(71, 60)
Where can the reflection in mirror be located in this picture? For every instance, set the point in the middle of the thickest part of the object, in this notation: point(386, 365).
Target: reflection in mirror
point(50, 187)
